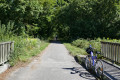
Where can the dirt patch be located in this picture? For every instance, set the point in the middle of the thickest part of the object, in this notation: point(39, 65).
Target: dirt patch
point(20, 64)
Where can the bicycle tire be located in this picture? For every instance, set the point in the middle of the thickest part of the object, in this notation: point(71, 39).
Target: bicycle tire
point(99, 68)
point(88, 62)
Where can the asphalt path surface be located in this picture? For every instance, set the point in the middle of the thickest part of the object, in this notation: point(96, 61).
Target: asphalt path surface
point(54, 64)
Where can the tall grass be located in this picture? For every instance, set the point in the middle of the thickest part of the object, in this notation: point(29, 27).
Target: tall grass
point(96, 43)
point(73, 50)
point(6, 31)
point(24, 47)
point(84, 44)
point(78, 47)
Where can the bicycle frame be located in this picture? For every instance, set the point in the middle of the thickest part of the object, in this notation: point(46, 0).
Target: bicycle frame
point(93, 58)
point(92, 62)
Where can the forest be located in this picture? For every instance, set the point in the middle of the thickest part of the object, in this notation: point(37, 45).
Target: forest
point(28, 23)
point(69, 19)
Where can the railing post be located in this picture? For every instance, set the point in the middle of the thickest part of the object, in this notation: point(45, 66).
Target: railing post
point(116, 49)
point(12, 47)
point(0, 54)
point(3, 53)
point(119, 55)
point(8, 56)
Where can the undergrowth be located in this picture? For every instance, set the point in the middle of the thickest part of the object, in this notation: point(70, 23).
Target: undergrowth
point(73, 50)
point(24, 46)
point(79, 46)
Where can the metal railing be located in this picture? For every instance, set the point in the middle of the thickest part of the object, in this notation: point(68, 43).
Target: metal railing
point(111, 51)
point(6, 48)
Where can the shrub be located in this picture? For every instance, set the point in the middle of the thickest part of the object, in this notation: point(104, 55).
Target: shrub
point(74, 50)
point(82, 43)
point(96, 43)
point(24, 46)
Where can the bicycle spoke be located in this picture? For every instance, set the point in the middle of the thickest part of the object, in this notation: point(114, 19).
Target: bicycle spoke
point(87, 62)
point(99, 68)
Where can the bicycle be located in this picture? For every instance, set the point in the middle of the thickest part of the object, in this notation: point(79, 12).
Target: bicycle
point(91, 62)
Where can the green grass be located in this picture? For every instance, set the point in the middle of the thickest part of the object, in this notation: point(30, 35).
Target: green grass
point(96, 43)
point(24, 46)
point(27, 52)
point(78, 47)
point(75, 50)
point(84, 43)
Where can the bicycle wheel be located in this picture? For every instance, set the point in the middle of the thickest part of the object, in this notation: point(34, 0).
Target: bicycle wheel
point(88, 62)
point(99, 68)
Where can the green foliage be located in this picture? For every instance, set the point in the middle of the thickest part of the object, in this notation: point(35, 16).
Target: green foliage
point(90, 19)
point(83, 43)
point(75, 50)
point(24, 46)
point(6, 31)
point(37, 14)
point(69, 19)
point(96, 43)
point(78, 47)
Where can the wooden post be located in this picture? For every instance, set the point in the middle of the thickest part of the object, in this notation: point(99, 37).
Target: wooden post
point(3, 58)
point(0, 54)
point(107, 49)
point(8, 51)
point(116, 50)
point(119, 55)
point(12, 47)
point(102, 48)
point(5, 55)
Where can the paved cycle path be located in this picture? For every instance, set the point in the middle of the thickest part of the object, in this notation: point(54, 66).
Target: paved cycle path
point(54, 64)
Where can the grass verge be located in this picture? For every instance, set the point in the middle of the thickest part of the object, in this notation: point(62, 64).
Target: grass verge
point(27, 53)
point(74, 50)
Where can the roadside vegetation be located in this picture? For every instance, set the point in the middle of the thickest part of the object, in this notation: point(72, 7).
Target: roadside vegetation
point(25, 46)
point(79, 46)
point(73, 50)
point(27, 21)
point(69, 19)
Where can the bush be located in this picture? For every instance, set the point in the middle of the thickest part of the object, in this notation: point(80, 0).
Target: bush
point(24, 46)
point(96, 43)
point(82, 43)
point(75, 50)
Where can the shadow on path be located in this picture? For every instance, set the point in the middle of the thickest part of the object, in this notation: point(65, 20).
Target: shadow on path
point(82, 72)
point(55, 42)
point(77, 70)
